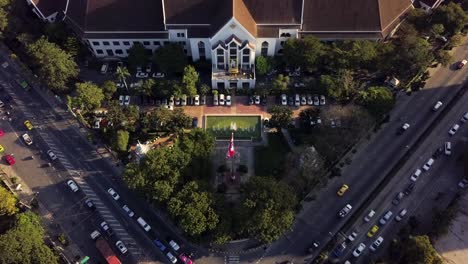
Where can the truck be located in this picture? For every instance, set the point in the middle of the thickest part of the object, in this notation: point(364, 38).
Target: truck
point(106, 251)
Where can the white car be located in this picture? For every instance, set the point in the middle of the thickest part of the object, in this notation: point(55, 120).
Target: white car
point(257, 99)
point(376, 243)
point(196, 100)
point(122, 248)
point(415, 175)
point(428, 164)
point(171, 257)
point(121, 100)
point(72, 185)
point(284, 100)
point(448, 148)
point(105, 226)
point(27, 139)
point(437, 106)
point(358, 251)
point(127, 209)
point(158, 75)
point(127, 100)
point(51, 155)
point(387, 216)
point(402, 214)
point(322, 100)
point(141, 75)
point(228, 100)
point(174, 245)
point(345, 211)
point(221, 99)
point(454, 129)
point(114, 194)
point(352, 236)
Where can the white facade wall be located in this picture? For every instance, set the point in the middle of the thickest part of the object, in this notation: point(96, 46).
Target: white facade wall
point(271, 46)
point(194, 50)
point(120, 47)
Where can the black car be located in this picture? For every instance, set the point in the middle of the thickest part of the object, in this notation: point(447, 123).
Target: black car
point(398, 198)
point(291, 101)
point(90, 204)
point(409, 189)
point(339, 250)
point(203, 100)
point(251, 100)
point(263, 100)
point(438, 152)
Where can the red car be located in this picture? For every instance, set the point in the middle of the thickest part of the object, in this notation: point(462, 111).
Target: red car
point(2, 133)
point(461, 64)
point(10, 159)
point(185, 259)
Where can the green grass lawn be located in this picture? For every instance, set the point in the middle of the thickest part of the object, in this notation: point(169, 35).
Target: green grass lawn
point(246, 127)
point(269, 160)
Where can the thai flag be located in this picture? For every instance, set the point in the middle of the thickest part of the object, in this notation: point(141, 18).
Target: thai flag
point(231, 152)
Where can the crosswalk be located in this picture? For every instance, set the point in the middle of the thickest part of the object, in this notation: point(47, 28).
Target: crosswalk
point(74, 172)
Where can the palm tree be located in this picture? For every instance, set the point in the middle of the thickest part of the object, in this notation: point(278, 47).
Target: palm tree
point(123, 73)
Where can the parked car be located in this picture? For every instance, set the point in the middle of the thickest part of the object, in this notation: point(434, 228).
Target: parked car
point(72, 185)
point(215, 99)
point(358, 251)
point(398, 198)
point(89, 203)
point(121, 100)
point(263, 100)
point(251, 100)
point(159, 244)
point(171, 257)
point(400, 215)
point(303, 100)
point(148, 67)
point(339, 250)
point(127, 100)
point(316, 100)
point(428, 164)
point(403, 128)
point(438, 152)
point(28, 125)
point(297, 100)
point(121, 246)
point(195, 122)
point(463, 183)
point(51, 155)
point(114, 194)
point(203, 100)
point(291, 101)
point(322, 100)
point(409, 189)
point(228, 100)
point(106, 228)
point(159, 75)
point(376, 243)
point(141, 75)
point(174, 245)
point(27, 139)
point(185, 259)
point(221, 99)
point(183, 100)
point(257, 99)
point(309, 100)
point(368, 217)
point(454, 129)
point(196, 100)
point(373, 230)
point(284, 100)
point(415, 175)
point(386, 217)
point(448, 148)
point(345, 211)
point(352, 236)
point(128, 211)
point(461, 64)
point(104, 68)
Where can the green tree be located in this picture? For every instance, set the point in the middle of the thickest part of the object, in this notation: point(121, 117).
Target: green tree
point(267, 208)
point(456, 40)
point(378, 100)
point(281, 116)
point(419, 250)
point(122, 74)
point(413, 56)
point(72, 46)
point(303, 53)
point(452, 16)
point(418, 18)
point(193, 209)
point(443, 57)
point(171, 58)
point(198, 143)
point(54, 65)
point(340, 86)
point(7, 202)
point(281, 83)
point(108, 89)
point(361, 52)
point(24, 242)
point(122, 140)
point(146, 87)
point(189, 80)
point(437, 29)
point(204, 89)
point(262, 65)
point(89, 95)
point(137, 56)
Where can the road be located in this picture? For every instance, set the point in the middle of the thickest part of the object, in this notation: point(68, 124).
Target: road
point(318, 220)
point(77, 160)
point(442, 177)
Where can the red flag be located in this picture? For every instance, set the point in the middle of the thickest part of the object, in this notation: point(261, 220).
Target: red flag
point(231, 152)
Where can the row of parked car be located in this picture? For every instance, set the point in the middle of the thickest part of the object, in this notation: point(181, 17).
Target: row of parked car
point(298, 100)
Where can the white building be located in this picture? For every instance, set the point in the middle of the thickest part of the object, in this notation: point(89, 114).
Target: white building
point(229, 33)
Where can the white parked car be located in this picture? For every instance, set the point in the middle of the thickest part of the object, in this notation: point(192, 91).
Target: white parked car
point(228, 100)
point(27, 139)
point(448, 148)
point(174, 245)
point(358, 251)
point(402, 214)
point(171, 257)
point(428, 164)
point(51, 155)
point(142, 75)
point(127, 209)
point(454, 129)
point(114, 194)
point(127, 100)
point(221, 99)
point(284, 100)
point(196, 100)
point(352, 236)
point(121, 246)
point(415, 175)
point(376, 243)
point(158, 75)
point(121, 100)
point(257, 99)
point(72, 185)
point(345, 211)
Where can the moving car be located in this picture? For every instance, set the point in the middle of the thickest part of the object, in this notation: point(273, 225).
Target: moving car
point(114, 194)
point(345, 211)
point(415, 175)
point(386, 217)
point(121, 246)
point(401, 215)
point(376, 243)
point(403, 128)
point(398, 198)
point(127, 209)
point(342, 189)
point(28, 125)
point(72, 185)
point(51, 155)
point(437, 106)
point(2, 149)
point(358, 251)
point(461, 64)
point(27, 139)
point(10, 159)
point(373, 230)
point(454, 129)
point(368, 217)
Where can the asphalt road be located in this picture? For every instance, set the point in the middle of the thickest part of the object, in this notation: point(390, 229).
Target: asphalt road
point(318, 220)
point(442, 177)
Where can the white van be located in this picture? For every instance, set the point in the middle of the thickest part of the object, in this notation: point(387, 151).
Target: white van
point(143, 224)
point(104, 68)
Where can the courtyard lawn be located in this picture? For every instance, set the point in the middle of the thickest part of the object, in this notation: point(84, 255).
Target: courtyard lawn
point(269, 160)
point(246, 127)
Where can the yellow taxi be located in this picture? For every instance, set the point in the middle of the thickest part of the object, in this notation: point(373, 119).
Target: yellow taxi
point(28, 124)
point(373, 230)
point(342, 190)
point(2, 149)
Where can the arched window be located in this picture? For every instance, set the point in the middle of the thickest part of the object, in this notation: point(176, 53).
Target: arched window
point(201, 49)
point(264, 50)
point(246, 56)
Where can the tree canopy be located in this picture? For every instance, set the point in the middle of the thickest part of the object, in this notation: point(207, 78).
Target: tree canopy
point(267, 208)
point(122, 140)
point(340, 86)
point(451, 16)
point(7, 202)
point(281, 83)
point(193, 209)
point(89, 95)
point(303, 53)
point(108, 89)
point(419, 250)
point(281, 116)
point(171, 58)
point(137, 56)
point(262, 65)
point(189, 80)
point(164, 120)
point(24, 242)
point(378, 100)
point(55, 66)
